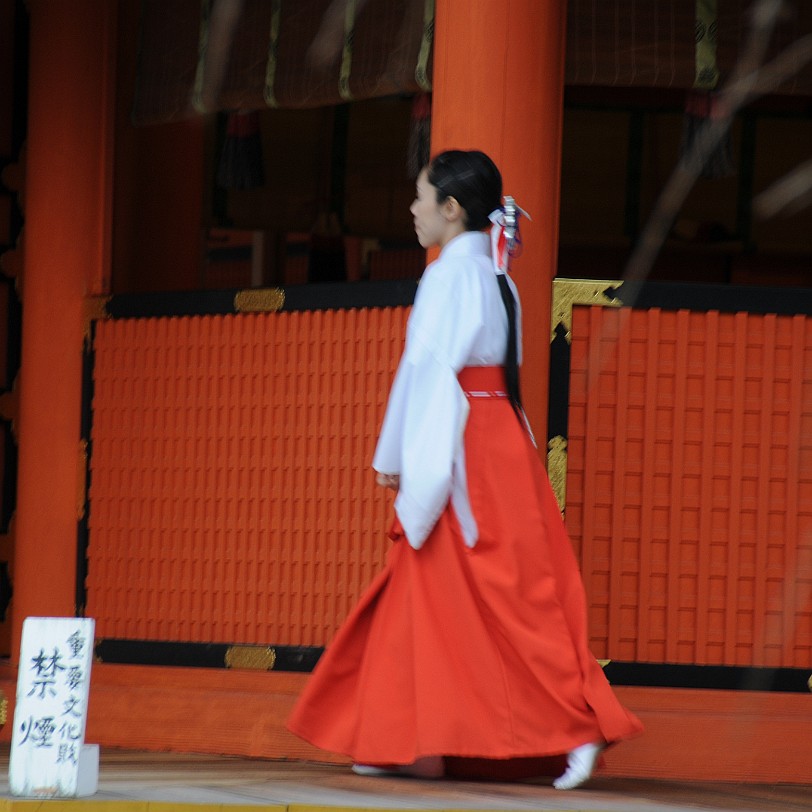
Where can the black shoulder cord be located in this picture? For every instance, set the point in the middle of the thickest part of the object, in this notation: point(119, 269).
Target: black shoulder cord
point(512, 356)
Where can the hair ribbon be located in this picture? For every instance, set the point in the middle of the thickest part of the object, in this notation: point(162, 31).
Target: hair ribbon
point(505, 235)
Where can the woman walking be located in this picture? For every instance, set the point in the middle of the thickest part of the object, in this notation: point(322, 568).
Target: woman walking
point(472, 642)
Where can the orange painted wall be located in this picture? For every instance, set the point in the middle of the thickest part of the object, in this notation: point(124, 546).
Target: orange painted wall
point(232, 498)
point(689, 488)
point(232, 501)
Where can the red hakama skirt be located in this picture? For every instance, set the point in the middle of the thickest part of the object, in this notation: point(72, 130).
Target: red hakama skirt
point(475, 652)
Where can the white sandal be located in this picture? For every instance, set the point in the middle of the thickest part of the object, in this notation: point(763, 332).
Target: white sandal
point(580, 765)
point(370, 770)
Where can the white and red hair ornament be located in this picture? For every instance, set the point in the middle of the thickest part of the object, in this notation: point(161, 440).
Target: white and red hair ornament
point(505, 237)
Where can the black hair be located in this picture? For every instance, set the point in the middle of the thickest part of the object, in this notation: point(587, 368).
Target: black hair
point(512, 355)
point(474, 181)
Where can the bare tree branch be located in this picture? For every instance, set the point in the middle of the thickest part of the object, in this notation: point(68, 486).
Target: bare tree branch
point(749, 80)
point(788, 195)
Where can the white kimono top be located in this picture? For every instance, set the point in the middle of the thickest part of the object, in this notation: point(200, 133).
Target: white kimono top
point(458, 320)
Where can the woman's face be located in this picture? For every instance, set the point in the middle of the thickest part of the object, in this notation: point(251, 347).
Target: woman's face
point(432, 223)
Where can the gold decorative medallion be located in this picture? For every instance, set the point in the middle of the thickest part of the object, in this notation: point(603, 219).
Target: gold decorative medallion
point(255, 658)
point(259, 300)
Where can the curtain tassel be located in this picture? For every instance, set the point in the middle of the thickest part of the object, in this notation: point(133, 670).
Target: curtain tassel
point(240, 164)
point(419, 134)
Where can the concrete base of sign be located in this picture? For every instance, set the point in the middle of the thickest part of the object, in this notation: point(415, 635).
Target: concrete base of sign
point(87, 782)
point(81, 783)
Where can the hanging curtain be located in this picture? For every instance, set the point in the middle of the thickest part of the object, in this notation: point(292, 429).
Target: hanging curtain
point(205, 55)
point(651, 43)
point(200, 56)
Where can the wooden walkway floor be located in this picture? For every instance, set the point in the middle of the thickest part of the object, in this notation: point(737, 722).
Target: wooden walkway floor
point(171, 782)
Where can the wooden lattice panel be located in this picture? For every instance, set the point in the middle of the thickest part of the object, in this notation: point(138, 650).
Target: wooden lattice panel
point(689, 486)
point(231, 495)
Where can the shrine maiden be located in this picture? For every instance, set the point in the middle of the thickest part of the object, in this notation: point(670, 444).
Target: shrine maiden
point(472, 643)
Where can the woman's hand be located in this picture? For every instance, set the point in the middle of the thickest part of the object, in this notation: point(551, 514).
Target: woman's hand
point(388, 480)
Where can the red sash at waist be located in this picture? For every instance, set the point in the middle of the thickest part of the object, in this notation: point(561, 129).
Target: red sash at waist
point(483, 381)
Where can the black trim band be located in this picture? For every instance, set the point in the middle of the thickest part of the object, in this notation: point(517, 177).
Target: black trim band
point(199, 655)
point(724, 298)
point(715, 677)
point(83, 525)
point(558, 396)
point(401, 293)
point(324, 296)
point(303, 659)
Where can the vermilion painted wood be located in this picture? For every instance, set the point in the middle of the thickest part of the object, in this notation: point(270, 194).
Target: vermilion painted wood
point(617, 364)
point(11, 256)
point(67, 214)
point(701, 576)
point(736, 365)
point(648, 346)
point(510, 106)
point(592, 520)
point(232, 498)
point(733, 736)
point(690, 459)
point(671, 525)
point(793, 593)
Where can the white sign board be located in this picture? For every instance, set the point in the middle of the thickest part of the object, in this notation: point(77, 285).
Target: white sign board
point(49, 758)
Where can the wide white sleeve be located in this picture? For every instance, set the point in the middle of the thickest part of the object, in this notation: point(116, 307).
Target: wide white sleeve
point(425, 419)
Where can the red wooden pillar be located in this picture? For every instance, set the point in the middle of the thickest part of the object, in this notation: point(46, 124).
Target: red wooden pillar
point(67, 223)
point(498, 86)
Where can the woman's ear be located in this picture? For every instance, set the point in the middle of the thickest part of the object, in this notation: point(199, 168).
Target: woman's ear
point(451, 209)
